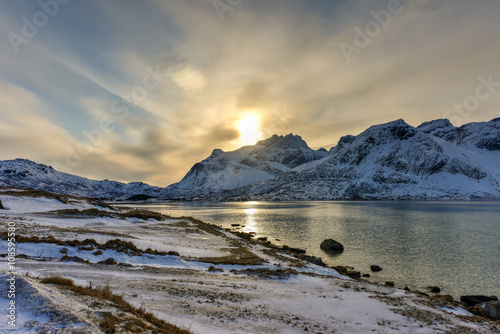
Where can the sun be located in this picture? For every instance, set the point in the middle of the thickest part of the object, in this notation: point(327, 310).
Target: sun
point(249, 129)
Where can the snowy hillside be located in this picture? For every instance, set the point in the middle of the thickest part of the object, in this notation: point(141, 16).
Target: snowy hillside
point(23, 173)
point(397, 161)
point(248, 165)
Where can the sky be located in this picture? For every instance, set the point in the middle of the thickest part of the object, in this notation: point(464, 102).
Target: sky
point(141, 90)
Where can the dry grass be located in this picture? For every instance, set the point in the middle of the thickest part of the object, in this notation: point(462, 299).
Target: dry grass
point(209, 228)
point(294, 262)
point(267, 273)
point(239, 256)
point(22, 192)
point(144, 215)
point(121, 246)
point(142, 319)
point(92, 213)
point(75, 213)
point(57, 280)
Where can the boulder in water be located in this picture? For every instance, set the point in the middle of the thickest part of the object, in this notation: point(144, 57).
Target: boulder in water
point(330, 245)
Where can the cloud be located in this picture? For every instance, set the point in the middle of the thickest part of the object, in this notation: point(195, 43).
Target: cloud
point(279, 59)
point(25, 130)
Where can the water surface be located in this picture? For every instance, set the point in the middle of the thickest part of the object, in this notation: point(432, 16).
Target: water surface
point(454, 245)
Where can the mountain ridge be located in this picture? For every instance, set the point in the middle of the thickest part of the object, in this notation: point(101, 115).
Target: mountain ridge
point(393, 160)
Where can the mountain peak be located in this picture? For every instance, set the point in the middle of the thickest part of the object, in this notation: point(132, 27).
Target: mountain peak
point(284, 142)
point(398, 122)
point(216, 152)
point(437, 125)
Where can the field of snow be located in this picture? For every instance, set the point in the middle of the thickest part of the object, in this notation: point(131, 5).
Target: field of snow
point(193, 275)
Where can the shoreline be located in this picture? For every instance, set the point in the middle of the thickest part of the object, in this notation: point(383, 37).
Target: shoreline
point(345, 270)
point(418, 274)
point(213, 280)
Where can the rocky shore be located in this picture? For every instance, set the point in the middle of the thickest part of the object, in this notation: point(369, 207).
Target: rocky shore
point(479, 305)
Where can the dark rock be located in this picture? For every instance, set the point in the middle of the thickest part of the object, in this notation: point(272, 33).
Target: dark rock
point(296, 250)
point(422, 293)
point(67, 258)
point(375, 268)
point(406, 288)
point(108, 261)
point(330, 245)
point(173, 253)
point(391, 284)
point(262, 238)
point(1, 206)
point(490, 309)
point(434, 289)
point(353, 274)
point(341, 270)
point(315, 260)
point(235, 225)
point(472, 300)
point(365, 275)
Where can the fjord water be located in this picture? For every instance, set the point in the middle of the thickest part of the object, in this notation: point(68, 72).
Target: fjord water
point(453, 245)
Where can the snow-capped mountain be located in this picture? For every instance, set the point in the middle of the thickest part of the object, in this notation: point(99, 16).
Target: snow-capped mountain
point(397, 161)
point(22, 173)
point(435, 160)
point(248, 165)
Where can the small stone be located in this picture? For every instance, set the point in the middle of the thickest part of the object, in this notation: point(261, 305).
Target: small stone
point(365, 275)
point(434, 289)
point(391, 284)
point(1, 206)
point(353, 274)
point(375, 268)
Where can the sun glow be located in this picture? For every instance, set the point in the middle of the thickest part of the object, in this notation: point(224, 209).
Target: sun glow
point(249, 129)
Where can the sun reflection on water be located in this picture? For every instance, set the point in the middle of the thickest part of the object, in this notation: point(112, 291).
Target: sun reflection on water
point(251, 224)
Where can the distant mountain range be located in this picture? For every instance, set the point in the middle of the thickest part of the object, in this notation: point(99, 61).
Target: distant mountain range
point(434, 161)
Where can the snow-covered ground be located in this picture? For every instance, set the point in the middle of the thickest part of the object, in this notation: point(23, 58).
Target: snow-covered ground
point(256, 288)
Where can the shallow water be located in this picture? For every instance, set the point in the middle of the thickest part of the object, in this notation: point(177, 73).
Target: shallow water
point(453, 245)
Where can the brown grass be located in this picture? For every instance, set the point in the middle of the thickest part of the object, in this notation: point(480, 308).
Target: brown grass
point(57, 280)
point(23, 192)
point(118, 245)
point(92, 213)
point(209, 228)
point(267, 273)
point(239, 256)
point(144, 319)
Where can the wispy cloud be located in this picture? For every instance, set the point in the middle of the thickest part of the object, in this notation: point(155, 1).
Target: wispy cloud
point(279, 59)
